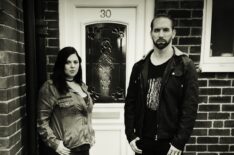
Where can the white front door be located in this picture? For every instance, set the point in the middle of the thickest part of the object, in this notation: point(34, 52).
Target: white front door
point(111, 34)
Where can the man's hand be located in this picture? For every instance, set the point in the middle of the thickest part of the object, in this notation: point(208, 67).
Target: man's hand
point(134, 146)
point(174, 151)
point(62, 150)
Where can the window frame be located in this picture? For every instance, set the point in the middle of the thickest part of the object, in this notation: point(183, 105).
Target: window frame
point(212, 63)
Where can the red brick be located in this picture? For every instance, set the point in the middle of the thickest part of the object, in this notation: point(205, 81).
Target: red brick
point(196, 32)
point(3, 82)
point(190, 40)
point(4, 142)
point(220, 83)
point(196, 148)
point(195, 58)
point(52, 6)
point(203, 83)
point(217, 116)
point(192, 140)
point(53, 42)
point(219, 132)
point(207, 75)
point(185, 49)
point(10, 45)
point(12, 93)
point(10, 9)
point(222, 75)
point(5, 120)
point(229, 123)
point(166, 5)
point(4, 107)
point(5, 151)
point(183, 32)
point(209, 107)
point(218, 148)
point(9, 106)
point(53, 25)
point(53, 33)
point(7, 130)
point(207, 140)
point(189, 153)
point(202, 116)
point(180, 13)
point(232, 148)
point(190, 23)
point(231, 75)
point(197, 13)
point(203, 124)
point(198, 4)
point(210, 91)
point(51, 15)
point(203, 99)
point(232, 131)
point(195, 49)
point(200, 132)
point(51, 59)
point(227, 108)
point(11, 33)
point(220, 99)
point(12, 69)
point(205, 153)
point(8, 20)
point(226, 140)
point(218, 124)
point(228, 91)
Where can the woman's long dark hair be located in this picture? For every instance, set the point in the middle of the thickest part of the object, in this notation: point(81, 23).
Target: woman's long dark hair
point(59, 76)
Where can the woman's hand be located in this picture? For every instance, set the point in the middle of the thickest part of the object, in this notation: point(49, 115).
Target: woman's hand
point(62, 150)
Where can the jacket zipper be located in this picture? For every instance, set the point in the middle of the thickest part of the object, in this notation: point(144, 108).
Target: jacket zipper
point(165, 76)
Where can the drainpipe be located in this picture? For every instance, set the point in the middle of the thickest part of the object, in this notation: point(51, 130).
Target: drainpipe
point(31, 76)
point(41, 33)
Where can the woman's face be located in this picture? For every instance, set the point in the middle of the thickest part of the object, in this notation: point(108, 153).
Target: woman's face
point(71, 66)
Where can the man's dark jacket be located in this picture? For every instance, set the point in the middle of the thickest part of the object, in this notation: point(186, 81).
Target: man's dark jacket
point(178, 100)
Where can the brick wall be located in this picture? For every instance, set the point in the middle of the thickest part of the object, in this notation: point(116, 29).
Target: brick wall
point(52, 40)
point(12, 78)
point(213, 133)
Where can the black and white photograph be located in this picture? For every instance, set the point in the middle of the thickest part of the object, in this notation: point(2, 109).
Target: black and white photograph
point(116, 77)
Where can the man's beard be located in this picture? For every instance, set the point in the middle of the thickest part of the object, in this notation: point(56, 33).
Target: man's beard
point(162, 43)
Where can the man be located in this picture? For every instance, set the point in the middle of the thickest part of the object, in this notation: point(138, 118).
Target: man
point(162, 97)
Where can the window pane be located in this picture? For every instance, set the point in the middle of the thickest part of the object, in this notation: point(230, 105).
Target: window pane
point(106, 61)
point(222, 33)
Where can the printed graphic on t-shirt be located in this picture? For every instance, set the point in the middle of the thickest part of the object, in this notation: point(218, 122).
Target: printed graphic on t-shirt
point(153, 93)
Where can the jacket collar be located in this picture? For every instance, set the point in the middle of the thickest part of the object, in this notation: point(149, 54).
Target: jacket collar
point(177, 52)
point(169, 67)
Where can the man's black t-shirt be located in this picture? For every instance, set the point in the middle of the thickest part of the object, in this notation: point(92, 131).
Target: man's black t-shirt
point(155, 74)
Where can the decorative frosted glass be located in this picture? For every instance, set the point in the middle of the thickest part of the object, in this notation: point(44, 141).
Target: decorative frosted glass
point(106, 61)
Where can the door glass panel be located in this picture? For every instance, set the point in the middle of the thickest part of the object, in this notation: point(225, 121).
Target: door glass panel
point(106, 61)
point(222, 34)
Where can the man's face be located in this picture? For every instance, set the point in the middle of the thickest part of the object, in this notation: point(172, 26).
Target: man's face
point(162, 32)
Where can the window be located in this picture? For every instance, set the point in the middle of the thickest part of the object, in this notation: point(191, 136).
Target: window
point(106, 61)
point(217, 53)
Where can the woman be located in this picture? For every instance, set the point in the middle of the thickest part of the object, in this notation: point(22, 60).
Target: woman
point(64, 108)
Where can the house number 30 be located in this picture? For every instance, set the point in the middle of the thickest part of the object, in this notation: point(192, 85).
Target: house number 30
point(105, 13)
